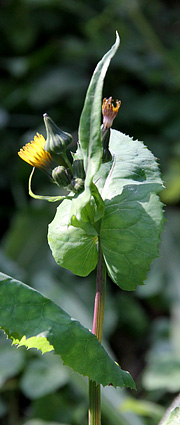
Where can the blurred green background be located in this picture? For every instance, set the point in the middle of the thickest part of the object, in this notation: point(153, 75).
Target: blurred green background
point(49, 49)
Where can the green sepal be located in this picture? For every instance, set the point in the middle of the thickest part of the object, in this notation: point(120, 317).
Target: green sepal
point(105, 136)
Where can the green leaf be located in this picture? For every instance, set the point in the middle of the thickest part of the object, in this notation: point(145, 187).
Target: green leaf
point(90, 145)
point(132, 163)
point(90, 121)
point(174, 418)
point(24, 312)
point(68, 244)
point(133, 219)
point(73, 248)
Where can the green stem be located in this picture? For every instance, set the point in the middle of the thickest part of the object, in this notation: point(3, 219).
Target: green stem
point(68, 164)
point(94, 389)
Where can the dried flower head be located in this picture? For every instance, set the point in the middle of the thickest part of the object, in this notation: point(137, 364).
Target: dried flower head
point(109, 111)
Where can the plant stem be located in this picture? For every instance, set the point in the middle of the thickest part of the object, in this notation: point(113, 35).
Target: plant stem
point(94, 389)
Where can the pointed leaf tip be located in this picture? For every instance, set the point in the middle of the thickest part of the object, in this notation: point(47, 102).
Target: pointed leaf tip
point(118, 40)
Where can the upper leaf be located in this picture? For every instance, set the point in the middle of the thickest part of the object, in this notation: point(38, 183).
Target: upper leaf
point(90, 121)
point(90, 145)
point(132, 163)
point(26, 314)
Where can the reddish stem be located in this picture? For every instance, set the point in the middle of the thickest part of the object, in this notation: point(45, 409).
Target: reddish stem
point(94, 389)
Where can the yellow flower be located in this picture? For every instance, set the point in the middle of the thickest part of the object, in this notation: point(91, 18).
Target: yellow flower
point(34, 154)
point(109, 111)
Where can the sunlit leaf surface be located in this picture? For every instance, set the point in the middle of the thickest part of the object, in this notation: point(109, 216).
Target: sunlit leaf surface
point(24, 312)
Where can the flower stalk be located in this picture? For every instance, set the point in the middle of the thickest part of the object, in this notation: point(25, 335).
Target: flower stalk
point(94, 389)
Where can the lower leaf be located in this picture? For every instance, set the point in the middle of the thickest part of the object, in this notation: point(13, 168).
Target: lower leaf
point(26, 315)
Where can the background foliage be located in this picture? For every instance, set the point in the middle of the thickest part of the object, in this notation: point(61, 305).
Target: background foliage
point(49, 49)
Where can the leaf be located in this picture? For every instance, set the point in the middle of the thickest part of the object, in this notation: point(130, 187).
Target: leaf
point(24, 312)
point(72, 247)
point(90, 145)
point(90, 121)
point(133, 220)
point(174, 418)
point(68, 244)
point(132, 163)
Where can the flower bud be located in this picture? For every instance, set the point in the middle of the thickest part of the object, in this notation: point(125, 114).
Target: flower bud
point(78, 169)
point(57, 140)
point(62, 176)
point(77, 184)
point(78, 176)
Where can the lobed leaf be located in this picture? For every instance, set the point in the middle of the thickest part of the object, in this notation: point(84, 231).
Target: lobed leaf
point(25, 313)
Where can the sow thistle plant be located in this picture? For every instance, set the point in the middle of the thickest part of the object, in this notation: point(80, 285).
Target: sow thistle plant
point(111, 218)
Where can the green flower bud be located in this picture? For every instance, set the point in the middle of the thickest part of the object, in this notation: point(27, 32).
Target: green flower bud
point(78, 169)
point(77, 184)
point(78, 176)
point(57, 140)
point(62, 177)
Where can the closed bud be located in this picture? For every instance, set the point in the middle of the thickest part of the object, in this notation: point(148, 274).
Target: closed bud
point(78, 169)
point(57, 140)
point(77, 184)
point(62, 176)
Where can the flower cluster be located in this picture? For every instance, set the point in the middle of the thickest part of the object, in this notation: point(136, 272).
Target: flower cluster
point(50, 155)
